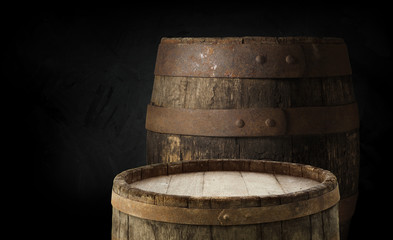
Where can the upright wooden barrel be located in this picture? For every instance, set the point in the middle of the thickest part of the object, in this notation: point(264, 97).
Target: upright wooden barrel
point(225, 199)
point(286, 99)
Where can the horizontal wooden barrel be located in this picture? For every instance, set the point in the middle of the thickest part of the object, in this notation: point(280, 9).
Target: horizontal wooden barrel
point(225, 199)
point(286, 99)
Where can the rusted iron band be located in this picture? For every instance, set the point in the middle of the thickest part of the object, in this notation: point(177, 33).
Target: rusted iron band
point(252, 122)
point(252, 60)
point(347, 207)
point(230, 216)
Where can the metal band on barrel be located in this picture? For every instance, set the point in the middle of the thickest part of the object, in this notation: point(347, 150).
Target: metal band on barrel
point(252, 60)
point(252, 122)
point(230, 216)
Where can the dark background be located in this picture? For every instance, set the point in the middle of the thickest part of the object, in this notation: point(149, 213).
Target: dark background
point(81, 79)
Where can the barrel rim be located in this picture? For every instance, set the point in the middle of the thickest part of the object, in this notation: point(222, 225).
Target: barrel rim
point(121, 184)
point(253, 39)
point(253, 57)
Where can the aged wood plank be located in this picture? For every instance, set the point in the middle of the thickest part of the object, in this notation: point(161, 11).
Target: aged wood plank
point(316, 225)
point(123, 226)
point(115, 223)
point(192, 148)
point(165, 231)
point(331, 223)
point(188, 184)
point(224, 184)
point(261, 184)
point(220, 93)
point(275, 148)
point(293, 184)
point(141, 229)
point(271, 231)
point(246, 232)
point(157, 184)
point(343, 160)
point(296, 229)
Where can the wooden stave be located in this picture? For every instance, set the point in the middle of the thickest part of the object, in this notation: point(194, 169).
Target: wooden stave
point(341, 156)
point(123, 224)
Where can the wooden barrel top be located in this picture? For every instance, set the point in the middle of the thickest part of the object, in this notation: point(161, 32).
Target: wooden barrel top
point(224, 192)
point(225, 184)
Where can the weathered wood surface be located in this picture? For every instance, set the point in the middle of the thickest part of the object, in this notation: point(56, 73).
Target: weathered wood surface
point(313, 227)
point(321, 225)
point(337, 152)
point(225, 184)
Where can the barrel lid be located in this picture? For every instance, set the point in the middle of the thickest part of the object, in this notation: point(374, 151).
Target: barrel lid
point(253, 57)
point(225, 184)
point(224, 192)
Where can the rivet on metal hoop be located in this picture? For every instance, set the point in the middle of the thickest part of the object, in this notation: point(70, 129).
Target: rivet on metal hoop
point(289, 59)
point(270, 122)
point(239, 123)
point(260, 59)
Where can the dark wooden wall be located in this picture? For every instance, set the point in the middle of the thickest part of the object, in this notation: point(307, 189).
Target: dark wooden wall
point(81, 80)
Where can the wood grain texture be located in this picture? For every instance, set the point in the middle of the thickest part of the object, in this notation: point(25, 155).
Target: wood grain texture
point(337, 152)
point(188, 183)
point(313, 227)
point(225, 184)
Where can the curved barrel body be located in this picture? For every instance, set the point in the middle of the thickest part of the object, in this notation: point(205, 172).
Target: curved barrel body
point(285, 99)
point(225, 199)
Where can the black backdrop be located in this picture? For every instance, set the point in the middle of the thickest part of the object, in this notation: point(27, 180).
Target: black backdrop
point(82, 79)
